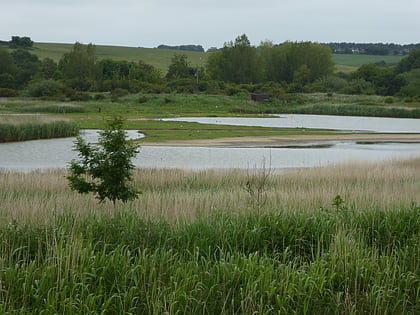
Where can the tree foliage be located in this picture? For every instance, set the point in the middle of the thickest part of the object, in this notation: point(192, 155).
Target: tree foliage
point(236, 62)
point(180, 67)
point(79, 64)
point(239, 62)
point(197, 48)
point(21, 42)
point(105, 169)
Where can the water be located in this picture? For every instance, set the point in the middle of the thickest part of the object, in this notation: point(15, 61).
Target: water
point(366, 124)
point(56, 153)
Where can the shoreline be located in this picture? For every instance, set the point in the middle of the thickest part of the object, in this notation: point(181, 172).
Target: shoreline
point(264, 141)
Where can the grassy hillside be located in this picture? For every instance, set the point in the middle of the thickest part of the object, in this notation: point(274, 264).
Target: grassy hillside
point(358, 60)
point(161, 58)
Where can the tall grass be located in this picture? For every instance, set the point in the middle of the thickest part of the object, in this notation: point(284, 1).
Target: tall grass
point(357, 110)
point(194, 244)
point(307, 263)
point(20, 128)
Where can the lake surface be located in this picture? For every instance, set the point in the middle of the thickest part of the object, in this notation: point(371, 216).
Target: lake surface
point(347, 123)
point(56, 153)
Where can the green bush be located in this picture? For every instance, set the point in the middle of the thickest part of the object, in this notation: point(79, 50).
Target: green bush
point(80, 96)
point(99, 97)
point(388, 100)
point(5, 92)
point(119, 92)
point(56, 109)
point(44, 88)
point(143, 99)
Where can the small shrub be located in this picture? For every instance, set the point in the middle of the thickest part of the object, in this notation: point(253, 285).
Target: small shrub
point(118, 92)
point(99, 97)
point(4, 92)
point(389, 100)
point(44, 88)
point(143, 99)
point(80, 96)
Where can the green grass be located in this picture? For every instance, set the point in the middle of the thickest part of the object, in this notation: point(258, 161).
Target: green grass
point(283, 263)
point(355, 60)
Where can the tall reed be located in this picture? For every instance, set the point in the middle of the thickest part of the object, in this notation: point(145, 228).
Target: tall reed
point(20, 128)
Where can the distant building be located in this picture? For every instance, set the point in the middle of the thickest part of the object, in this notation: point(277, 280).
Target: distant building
point(260, 97)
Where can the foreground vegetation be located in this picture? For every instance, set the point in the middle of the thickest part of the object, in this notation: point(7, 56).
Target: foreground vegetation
point(208, 242)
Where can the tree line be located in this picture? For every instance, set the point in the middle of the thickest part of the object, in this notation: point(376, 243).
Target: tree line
point(382, 49)
point(197, 48)
point(238, 67)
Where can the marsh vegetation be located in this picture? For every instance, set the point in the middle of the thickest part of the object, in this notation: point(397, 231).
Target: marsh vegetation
point(195, 243)
point(21, 127)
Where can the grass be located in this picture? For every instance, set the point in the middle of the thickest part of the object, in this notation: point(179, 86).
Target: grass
point(21, 128)
point(174, 105)
point(356, 60)
point(193, 243)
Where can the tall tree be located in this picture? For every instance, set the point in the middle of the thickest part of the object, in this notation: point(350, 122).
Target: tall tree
point(7, 70)
point(236, 62)
point(180, 67)
point(412, 61)
point(79, 64)
point(21, 42)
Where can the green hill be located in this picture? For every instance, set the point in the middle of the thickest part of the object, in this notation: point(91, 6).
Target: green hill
point(356, 60)
point(161, 58)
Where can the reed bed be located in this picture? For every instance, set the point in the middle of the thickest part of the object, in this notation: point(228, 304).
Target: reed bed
point(178, 195)
point(197, 243)
point(30, 127)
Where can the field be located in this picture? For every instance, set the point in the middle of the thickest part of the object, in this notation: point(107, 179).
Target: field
point(335, 240)
point(161, 58)
point(358, 60)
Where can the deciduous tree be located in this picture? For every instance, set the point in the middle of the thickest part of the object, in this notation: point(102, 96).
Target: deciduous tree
point(105, 169)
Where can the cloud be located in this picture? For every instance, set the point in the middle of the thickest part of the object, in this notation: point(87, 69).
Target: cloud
point(210, 23)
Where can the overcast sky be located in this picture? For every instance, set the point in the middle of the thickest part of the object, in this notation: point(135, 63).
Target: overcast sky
point(210, 23)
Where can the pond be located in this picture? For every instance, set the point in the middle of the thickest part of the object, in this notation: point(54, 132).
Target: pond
point(56, 153)
point(347, 123)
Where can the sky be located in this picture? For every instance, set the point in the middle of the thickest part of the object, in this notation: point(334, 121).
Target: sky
point(210, 23)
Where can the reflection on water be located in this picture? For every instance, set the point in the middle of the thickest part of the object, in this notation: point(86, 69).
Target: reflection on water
point(275, 158)
point(56, 153)
point(44, 154)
